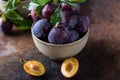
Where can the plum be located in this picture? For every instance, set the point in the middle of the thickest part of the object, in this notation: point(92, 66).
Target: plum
point(77, 9)
point(41, 28)
point(66, 7)
point(69, 18)
point(58, 34)
point(74, 36)
point(48, 10)
point(70, 8)
point(83, 23)
point(6, 26)
point(33, 14)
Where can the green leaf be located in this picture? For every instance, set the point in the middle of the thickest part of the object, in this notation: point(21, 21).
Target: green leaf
point(24, 24)
point(56, 1)
point(14, 16)
point(23, 27)
point(80, 1)
point(18, 20)
point(69, 3)
point(56, 17)
point(11, 5)
point(41, 2)
point(39, 10)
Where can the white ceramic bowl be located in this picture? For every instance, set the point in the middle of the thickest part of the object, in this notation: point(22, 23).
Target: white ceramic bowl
point(60, 51)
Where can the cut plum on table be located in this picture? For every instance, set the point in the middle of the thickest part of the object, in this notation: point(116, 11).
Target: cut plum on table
point(34, 68)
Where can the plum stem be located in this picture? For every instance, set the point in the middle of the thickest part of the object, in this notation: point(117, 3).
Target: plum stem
point(22, 60)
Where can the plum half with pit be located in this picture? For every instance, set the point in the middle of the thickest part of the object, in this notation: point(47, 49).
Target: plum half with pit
point(58, 34)
point(83, 23)
point(74, 36)
point(6, 26)
point(41, 28)
point(48, 10)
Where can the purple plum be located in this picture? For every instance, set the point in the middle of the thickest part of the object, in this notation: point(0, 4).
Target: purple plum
point(48, 10)
point(66, 7)
point(58, 34)
point(6, 26)
point(69, 18)
point(74, 36)
point(34, 16)
point(41, 28)
point(83, 23)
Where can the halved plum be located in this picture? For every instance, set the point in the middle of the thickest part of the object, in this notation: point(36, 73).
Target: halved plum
point(34, 68)
point(70, 67)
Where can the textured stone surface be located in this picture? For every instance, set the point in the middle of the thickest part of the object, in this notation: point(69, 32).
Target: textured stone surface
point(99, 60)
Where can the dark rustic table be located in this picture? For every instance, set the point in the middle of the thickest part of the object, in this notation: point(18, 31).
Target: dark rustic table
point(99, 60)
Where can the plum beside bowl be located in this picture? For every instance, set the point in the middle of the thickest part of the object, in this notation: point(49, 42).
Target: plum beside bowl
point(60, 51)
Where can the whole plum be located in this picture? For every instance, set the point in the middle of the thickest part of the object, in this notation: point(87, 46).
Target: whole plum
point(69, 18)
point(41, 28)
point(48, 10)
point(66, 7)
point(6, 26)
point(33, 14)
point(70, 8)
point(83, 23)
point(58, 34)
point(74, 36)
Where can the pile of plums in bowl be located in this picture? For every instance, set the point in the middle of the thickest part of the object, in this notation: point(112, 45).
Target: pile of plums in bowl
point(65, 39)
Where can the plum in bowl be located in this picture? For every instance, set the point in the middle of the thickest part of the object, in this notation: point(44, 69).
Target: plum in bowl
point(59, 39)
point(60, 51)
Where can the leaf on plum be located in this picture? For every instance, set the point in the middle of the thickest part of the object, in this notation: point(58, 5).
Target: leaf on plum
point(56, 17)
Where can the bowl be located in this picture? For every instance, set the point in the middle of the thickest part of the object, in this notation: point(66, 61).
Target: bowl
point(60, 51)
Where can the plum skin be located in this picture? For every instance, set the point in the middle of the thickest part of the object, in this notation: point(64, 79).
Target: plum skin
point(83, 23)
point(41, 28)
point(70, 19)
point(6, 26)
point(58, 35)
point(33, 14)
point(66, 7)
point(74, 36)
point(48, 10)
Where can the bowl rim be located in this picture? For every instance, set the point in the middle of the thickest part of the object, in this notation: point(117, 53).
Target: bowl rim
point(67, 44)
